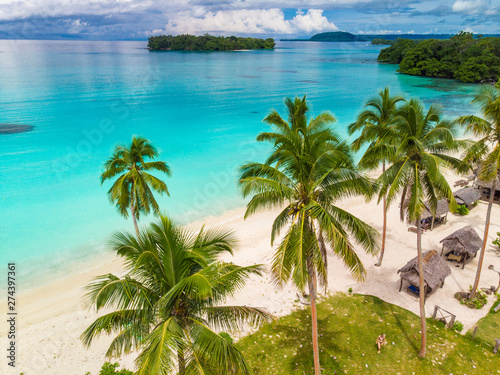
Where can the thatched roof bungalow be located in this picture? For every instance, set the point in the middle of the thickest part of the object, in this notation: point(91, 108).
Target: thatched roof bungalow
point(429, 220)
point(462, 245)
point(467, 196)
point(435, 272)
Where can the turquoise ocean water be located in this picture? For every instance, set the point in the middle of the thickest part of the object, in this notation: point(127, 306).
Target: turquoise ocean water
point(202, 110)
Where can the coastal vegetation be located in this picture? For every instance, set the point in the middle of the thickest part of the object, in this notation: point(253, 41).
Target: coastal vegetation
point(134, 185)
point(109, 368)
point(309, 170)
point(485, 155)
point(421, 152)
point(464, 57)
point(377, 122)
point(382, 42)
point(350, 326)
point(170, 300)
point(206, 42)
point(383, 39)
point(169, 305)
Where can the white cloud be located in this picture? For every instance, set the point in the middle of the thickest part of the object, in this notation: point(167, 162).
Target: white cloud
point(469, 30)
point(21, 9)
point(248, 21)
point(491, 11)
point(469, 6)
point(79, 23)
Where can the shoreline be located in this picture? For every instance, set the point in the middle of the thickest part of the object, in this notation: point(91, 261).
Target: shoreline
point(51, 317)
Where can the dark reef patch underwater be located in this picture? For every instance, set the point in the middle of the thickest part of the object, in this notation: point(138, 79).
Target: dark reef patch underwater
point(15, 128)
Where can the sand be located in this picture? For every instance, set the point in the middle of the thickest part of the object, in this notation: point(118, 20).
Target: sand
point(51, 317)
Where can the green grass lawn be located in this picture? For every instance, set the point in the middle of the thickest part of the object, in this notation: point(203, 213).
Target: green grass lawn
point(348, 328)
point(489, 327)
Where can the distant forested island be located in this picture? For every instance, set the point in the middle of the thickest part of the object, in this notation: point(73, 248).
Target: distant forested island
point(464, 57)
point(206, 43)
point(343, 36)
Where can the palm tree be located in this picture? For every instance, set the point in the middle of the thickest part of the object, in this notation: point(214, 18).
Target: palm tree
point(170, 300)
point(132, 190)
point(377, 122)
point(425, 144)
point(308, 171)
point(485, 153)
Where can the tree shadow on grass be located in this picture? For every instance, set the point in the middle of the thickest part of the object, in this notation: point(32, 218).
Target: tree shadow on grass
point(382, 309)
point(302, 360)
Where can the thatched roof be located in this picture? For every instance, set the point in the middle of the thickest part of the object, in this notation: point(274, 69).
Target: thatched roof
point(435, 270)
point(486, 185)
point(442, 209)
point(483, 184)
point(463, 240)
point(467, 195)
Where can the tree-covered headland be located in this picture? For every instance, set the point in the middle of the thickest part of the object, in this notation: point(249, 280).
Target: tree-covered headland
point(206, 43)
point(465, 57)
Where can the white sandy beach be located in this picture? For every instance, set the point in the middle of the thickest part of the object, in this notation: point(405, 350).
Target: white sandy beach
point(51, 318)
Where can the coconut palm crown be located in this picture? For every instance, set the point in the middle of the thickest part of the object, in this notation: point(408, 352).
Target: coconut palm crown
point(426, 143)
point(170, 301)
point(485, 154)
point(308, 171)
point(377, 125)
point(134, 185)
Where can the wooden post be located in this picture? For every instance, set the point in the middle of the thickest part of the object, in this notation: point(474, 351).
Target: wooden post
point(497, 345)
point(452, 322)
point(432, 223)
point(442, 249)
point(435, 312)
point(401, 285)
point(475, 331)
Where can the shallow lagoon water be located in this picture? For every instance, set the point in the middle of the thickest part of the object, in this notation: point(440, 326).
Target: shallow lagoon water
point(201, 109)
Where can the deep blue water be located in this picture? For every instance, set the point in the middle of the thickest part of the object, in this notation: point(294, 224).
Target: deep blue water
point(201, 109)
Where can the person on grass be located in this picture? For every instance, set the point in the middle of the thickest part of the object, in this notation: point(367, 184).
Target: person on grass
point(381, 341)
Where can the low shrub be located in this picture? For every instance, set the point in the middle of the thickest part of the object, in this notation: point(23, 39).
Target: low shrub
point(111, 369)
point(476, 303)
point(462, 210)
point(458, 326)
point(497, 240)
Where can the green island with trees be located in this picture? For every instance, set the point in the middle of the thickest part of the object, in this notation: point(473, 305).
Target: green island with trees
point(206, 42)
point(465, 57)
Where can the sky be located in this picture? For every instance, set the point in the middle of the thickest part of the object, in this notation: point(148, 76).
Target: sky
point(139, 19)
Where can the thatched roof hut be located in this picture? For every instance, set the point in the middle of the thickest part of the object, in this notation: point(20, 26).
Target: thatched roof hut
point(462, 244)
point(467, 196)
point(442, 210)
point(435, 272)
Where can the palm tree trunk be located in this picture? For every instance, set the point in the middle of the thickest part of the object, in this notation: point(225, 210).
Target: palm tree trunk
point(422, 291)
point(314, 316)
point(132, 213)
point(485, 240)
point(384, 228)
